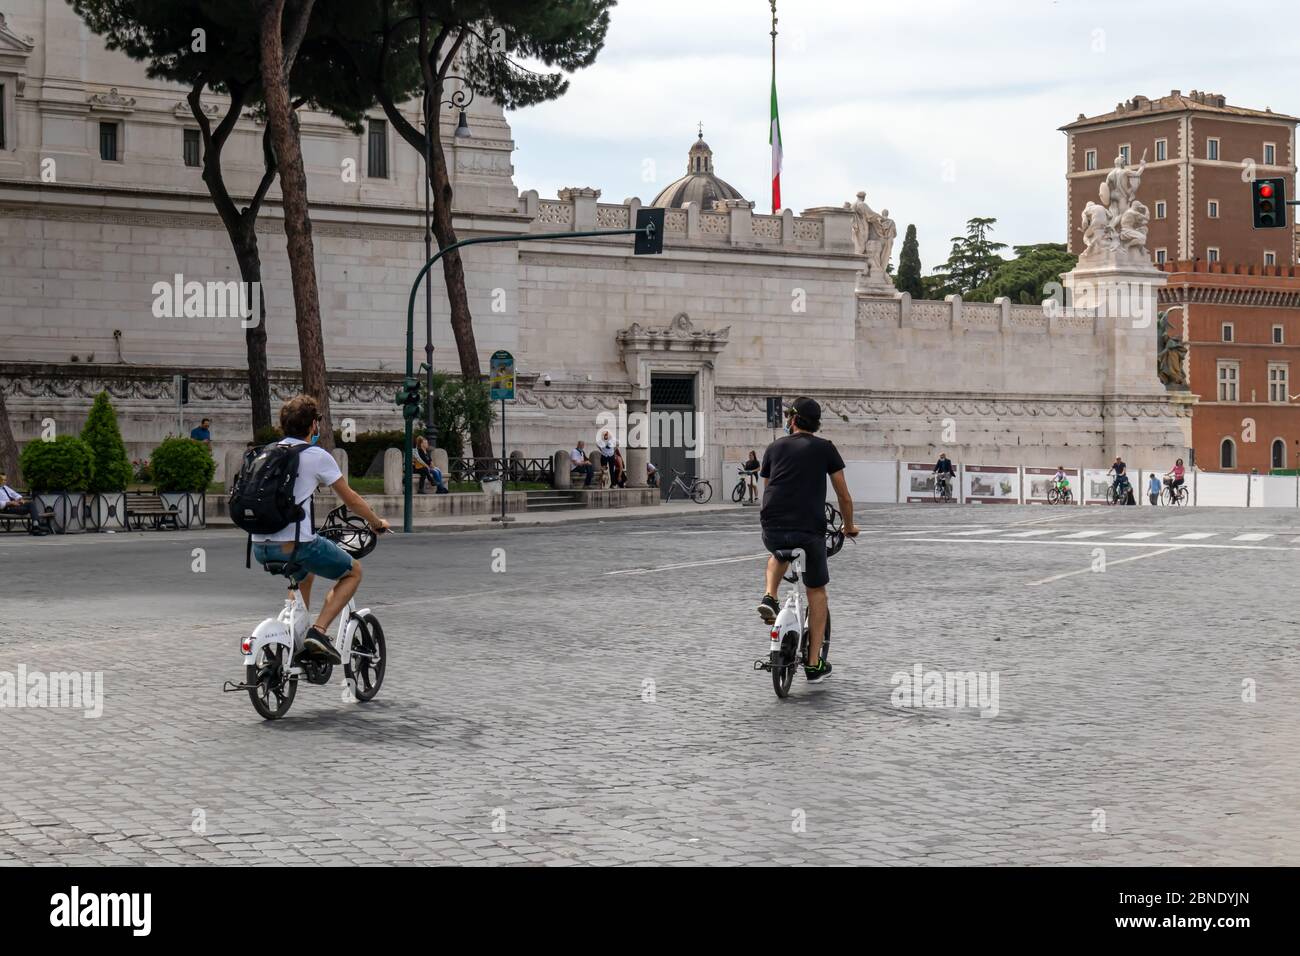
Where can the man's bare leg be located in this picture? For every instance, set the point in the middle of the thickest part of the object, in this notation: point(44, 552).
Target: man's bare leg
point(304, 588)
point(775, 572)
point(817, 605)
point(338, 596)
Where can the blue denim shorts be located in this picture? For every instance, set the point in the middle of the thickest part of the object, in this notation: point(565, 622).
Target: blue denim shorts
point(317, 556)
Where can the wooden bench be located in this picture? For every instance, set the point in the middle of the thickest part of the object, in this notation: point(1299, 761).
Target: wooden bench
point(24, 519)
point(142, 506)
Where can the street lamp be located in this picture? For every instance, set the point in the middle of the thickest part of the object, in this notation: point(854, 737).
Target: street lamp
point(459, 99)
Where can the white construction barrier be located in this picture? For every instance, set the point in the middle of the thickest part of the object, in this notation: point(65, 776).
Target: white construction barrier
point(990, 484)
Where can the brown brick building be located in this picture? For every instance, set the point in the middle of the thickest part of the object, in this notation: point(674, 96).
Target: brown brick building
point(1199, 153)
point(1239, 286)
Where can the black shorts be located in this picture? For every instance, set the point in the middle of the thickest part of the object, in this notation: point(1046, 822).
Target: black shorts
point(816, 573)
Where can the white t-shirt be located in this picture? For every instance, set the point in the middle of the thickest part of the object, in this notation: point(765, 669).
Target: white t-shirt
point(316, 466)
point(7, 495)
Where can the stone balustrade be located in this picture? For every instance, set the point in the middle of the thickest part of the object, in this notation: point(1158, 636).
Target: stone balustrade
point(952, 314)
point(825, 229)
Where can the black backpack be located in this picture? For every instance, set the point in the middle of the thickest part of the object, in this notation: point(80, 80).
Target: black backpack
point(261, 498)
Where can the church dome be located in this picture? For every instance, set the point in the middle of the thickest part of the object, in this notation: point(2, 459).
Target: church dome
point(699, 185)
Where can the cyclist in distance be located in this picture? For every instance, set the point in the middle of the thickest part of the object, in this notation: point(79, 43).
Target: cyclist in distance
point(943, 470)
point(793, 515)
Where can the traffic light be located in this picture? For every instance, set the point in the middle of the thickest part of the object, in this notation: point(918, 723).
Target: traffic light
point(649, 242)
point(183, 388)
point(408, 397)
point(1268, 199)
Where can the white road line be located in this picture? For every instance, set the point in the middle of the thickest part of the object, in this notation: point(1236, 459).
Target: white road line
point(1031, 534)
point(981, 531)
point(1109, 544)
point(1252, 536)
point(689, 564)
point(1084, 534)
point(1199, 535)
point(1088, 570)
point(1139, 535)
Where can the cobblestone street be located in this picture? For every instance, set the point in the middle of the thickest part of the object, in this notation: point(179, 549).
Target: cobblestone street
point(595, 702)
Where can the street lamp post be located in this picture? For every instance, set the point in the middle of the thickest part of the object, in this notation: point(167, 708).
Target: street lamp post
point(460, 99)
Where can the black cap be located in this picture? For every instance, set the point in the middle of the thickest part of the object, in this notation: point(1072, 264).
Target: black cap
point(808, 411)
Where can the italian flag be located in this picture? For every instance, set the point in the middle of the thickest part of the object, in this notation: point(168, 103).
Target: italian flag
point(775, 139)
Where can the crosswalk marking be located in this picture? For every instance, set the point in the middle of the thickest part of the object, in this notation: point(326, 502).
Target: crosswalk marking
point(1084, 534)
point(1031, 534)
point(980, 531)
point(1195, 535)
point(1251, 537)
point(1139, 535)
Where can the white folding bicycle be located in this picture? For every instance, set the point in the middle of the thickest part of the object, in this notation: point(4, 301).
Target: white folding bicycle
point(790, 640)
point(273, 659)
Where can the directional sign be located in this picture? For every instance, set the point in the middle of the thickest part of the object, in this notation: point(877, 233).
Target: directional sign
point(502, 376)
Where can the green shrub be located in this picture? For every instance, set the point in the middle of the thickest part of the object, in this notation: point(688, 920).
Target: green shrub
point(266, 435)
point(182, 464)
point(65, 464)
point(112, 467)
point(362, 450)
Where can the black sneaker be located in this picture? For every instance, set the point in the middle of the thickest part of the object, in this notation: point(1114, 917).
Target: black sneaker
point(768, 609)
point(816, 675)
point(317, 643)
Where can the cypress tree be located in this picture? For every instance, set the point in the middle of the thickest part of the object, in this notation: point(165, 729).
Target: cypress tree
point(112, 468)
point(909, 266)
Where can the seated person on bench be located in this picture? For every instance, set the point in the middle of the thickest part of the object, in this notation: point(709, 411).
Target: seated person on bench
point(12, 503)
point(423, 465)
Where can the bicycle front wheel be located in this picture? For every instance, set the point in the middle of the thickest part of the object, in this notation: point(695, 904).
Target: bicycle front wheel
point(702, 492)
point(1053, 496)
point(368, 661)
point(738, 492)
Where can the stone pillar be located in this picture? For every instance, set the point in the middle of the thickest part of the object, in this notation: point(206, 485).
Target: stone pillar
point(1140, 420)
point(741, 212)
point(562, 468)
point(234, 461)
point(340, 456)
point(393, 471)
point(636, 451)
point(440, 460)
point(584, 200)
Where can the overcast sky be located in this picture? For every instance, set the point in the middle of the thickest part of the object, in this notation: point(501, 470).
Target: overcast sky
point(940, 109)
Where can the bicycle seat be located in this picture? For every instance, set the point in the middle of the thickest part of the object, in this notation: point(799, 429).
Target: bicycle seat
point(286, 568)
point(786, 554)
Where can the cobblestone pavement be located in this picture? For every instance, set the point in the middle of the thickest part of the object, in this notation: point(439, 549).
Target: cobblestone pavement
point(518, 722)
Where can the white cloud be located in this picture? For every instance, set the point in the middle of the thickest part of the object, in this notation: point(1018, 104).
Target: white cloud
point(878, 96)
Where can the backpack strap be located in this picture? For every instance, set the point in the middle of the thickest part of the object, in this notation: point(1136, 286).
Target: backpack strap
point(248, 553)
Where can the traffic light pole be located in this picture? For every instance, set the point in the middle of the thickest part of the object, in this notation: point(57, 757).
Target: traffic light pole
point(411, 385)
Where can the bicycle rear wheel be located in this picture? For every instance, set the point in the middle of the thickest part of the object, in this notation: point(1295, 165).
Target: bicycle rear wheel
point(785, 664)
point(702, 492)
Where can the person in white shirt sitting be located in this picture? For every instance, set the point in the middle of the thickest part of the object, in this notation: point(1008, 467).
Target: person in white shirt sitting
point(12, 503)
point(578, 458)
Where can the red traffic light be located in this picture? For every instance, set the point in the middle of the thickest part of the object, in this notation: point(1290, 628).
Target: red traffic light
point(1266, 190)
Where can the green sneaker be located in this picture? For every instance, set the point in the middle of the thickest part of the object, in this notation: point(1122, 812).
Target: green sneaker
point(817, 674)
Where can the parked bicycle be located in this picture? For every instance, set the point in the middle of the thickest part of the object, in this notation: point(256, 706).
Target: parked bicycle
point(273, 660)
point(742, 485)
point(789, 637)
point(697, 489)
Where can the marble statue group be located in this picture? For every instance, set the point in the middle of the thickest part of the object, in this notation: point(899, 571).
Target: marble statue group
point(1115, 229)
point(873, 239)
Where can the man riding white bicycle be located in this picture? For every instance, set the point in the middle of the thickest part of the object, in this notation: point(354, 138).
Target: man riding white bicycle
point(297, 542)
point(794, 516)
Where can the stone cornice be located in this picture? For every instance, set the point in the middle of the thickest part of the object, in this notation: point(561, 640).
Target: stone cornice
point(1245, 296)
point(679, 335)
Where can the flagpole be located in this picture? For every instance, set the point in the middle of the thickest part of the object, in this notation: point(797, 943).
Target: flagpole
point(773, 2)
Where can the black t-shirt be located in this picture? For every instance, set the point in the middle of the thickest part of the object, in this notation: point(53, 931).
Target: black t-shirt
point(796, 467)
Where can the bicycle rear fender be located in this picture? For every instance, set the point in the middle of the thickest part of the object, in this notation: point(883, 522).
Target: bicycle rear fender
point(270, 631)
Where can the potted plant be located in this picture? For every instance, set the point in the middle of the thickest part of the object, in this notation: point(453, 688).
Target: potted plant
point(182, 470)
point(106, 498)
point(59, 471)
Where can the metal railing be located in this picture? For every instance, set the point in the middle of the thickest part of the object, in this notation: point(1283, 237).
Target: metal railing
point(541, 470)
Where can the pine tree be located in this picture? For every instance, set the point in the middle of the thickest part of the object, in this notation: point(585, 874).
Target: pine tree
point(909, 266)
point(112, 468)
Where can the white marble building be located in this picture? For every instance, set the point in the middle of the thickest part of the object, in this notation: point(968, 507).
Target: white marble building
point(740, 306)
